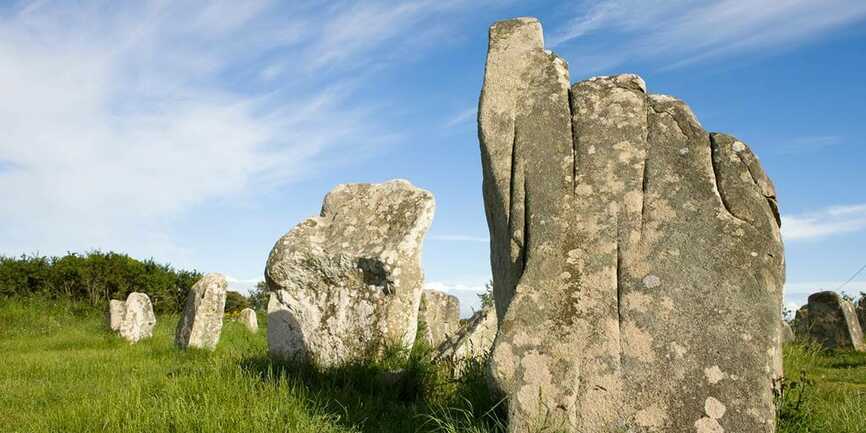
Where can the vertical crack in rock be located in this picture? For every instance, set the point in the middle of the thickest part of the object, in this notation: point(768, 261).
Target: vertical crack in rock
point(715, 154)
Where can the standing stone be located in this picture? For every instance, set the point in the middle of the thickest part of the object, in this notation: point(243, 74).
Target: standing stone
point(440, 313)
point(637, 260)
point(831, 321)
point(472, 341)
point(115, 314)
point(861, 310)
point(201, 323)
point(249, 319)
point(348, 283)
point(787, 333)
point(138, 318)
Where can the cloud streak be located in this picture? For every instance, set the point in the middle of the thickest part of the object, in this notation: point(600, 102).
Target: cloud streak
point(824, 223)
point(681, 32)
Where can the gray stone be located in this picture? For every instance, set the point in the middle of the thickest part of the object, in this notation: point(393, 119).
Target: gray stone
point(830, 321)
point(440, 315)
point(472, 341)
point(861, 310)
point(201, 323)
point(249, 320)
point(637, 260)
point(138, 318)
point(787, 333)
point(348, 283)
point(115, 314)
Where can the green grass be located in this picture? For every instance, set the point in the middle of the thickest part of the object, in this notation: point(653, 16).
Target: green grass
point(825, 392)
point(64, 372)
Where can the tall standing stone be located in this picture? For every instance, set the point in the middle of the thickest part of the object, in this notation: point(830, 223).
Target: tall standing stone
point(637, 260)
point(440, 313)
point(249, 320)
point(201, 323)
point(831, 321)
point(138, 318)
point(348, 283)
point(115, 314)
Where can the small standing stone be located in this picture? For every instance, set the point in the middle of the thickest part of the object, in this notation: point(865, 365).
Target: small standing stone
point(440, 313)
point(202, 319)
point(115, 314)
point(473, 340)
point(831, 321)
point(787, 333)
point(249, 319)
point(138, 318)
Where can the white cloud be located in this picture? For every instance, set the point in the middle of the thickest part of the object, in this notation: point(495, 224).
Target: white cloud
point(462, 117)
point(115, 120)
point(681, 32)
point(823, 223)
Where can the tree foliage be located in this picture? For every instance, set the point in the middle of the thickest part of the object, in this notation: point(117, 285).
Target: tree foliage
point(95, 277)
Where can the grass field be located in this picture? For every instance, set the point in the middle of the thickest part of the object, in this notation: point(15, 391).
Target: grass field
point(63, 372)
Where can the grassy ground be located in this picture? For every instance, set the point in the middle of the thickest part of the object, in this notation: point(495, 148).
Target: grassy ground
point(825, 391)
point(63, 372)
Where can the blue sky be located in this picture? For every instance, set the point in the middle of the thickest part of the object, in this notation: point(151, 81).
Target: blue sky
point(198, 133)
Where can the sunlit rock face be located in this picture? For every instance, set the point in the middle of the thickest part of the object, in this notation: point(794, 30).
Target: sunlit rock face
point(831, 321)
point(249, 319)
point(347, 284)
point(440, 315)
point(114, 316)
point(637, 261)
point(138, 318)
point(472, 341)
point(201, 323)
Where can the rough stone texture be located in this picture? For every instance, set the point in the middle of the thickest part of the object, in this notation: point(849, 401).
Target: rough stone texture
point(473, 340)
point(115, 314)
point(440, 313)
point(637, 261)
point(831, 321)
point(348, 283)
point(201, 323)
point(861, 311)
point(249, 319)
point(138, 318)
point(787, 333)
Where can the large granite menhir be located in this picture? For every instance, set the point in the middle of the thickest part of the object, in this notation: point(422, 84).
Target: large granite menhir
point(637, 260)
point(830, 320)
point(348, 283)
point(201, 323)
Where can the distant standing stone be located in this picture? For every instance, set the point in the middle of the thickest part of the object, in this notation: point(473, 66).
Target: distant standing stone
point(249, 319)
point(138, 318)
point(348, 283)
point(202, 319)
point(115, 314)
point(473, 340)
point(440, 313)
point(831, 321)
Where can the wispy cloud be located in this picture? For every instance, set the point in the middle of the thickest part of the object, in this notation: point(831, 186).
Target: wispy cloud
point(462, 117)
point(808, 144)
point(116, 120)
point(459, 238)
point(823, 223)
point(680, 32)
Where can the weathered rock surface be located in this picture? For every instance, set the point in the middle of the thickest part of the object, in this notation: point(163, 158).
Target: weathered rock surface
point(115, 314)
point(440, 314)
point(249, 320)
point(861, 311)
point(831, 321)
point(473, 340)
point(348, 283)
point(787, 333)
point(138, 318)
point(637, 260)
point(201, 323)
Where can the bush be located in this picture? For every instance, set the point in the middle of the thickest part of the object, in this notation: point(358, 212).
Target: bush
point(94, 278)
point(235, 302)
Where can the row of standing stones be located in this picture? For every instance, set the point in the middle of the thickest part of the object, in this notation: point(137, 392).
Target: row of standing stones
point(637, 263)
point(200, 324)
